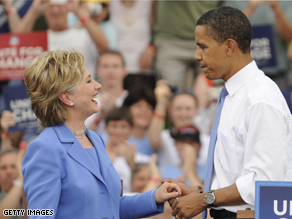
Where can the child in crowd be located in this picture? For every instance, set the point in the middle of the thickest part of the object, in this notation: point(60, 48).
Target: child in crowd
point(121, 152)
point(141, 102)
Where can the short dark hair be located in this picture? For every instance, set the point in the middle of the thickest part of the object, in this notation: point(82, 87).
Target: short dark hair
point(228, 23)
point(140, 92)
point(118, 114)
point(112, 52)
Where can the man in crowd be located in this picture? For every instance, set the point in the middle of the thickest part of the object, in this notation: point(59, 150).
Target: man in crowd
point(252, 126)
point(111, 72)
point(11, 179)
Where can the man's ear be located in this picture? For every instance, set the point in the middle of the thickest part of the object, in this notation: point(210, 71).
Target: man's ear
point(231, 47)
point(65, 98)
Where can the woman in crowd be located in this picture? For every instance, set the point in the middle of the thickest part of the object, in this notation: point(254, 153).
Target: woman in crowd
point(66, 169)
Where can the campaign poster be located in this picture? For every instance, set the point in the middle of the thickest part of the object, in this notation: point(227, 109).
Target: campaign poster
point(18, 50)
point(273, 200)
point(263, 46)
point(18, 102)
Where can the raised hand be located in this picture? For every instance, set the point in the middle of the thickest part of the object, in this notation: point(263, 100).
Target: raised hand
point(7, 120)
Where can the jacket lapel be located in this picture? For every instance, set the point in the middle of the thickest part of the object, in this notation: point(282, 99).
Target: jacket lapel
point(76, 151)
point(101, 153)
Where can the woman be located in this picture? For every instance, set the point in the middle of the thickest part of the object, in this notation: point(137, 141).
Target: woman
point(66, 168)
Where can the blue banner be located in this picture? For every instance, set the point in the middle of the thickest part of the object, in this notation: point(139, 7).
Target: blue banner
point(273, 200)
point(18, 102)
point(263, 46)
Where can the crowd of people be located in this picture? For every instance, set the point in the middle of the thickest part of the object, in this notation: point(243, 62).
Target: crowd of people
point(156, 106)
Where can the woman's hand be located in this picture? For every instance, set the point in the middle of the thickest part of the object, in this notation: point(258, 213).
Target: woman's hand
point(162, 194)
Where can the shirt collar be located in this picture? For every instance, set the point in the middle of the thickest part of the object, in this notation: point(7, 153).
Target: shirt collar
point(238, 79)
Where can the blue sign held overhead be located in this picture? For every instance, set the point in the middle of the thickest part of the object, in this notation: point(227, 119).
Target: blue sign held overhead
point(263, 46)
point(273, 200)
point(18, 102)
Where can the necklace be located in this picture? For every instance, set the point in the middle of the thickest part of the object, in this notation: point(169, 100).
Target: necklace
point(77, 133)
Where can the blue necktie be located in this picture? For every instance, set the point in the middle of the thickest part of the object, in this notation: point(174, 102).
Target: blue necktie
point(212, 143)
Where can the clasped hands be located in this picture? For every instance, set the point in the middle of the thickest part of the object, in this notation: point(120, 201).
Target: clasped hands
point(190, 203)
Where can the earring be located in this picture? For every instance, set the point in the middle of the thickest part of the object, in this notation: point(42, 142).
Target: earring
point(72, 104)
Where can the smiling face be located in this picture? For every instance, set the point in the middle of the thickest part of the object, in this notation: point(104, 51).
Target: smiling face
point(84, 97)
point(142, 113)
point(141, 179)
point(118, 131)
point(111, 70)
point(211, 55)
point(182, 110)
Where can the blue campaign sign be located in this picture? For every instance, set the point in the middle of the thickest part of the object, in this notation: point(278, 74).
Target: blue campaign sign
point(18, 102)
point(273, 200)
point(263, 46)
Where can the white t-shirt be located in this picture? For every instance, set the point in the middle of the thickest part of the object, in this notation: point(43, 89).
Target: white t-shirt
point(124, 170)
point(133, 30)
point(78, 39)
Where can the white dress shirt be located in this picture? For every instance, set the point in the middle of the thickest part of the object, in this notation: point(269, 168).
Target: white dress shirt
point(253, 135)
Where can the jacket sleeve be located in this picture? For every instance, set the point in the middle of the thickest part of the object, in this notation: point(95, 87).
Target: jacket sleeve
point(42, 178)
point(139, 206)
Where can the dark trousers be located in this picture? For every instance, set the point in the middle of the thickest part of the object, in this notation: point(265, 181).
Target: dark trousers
point(222, 214)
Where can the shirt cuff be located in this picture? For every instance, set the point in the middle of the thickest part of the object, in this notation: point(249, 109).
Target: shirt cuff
point(246, 188)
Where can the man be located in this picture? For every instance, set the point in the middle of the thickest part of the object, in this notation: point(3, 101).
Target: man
point(11, 179)
point(252, 132)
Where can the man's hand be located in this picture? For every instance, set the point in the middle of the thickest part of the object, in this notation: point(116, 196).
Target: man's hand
point(189, 206)
point(107, 102)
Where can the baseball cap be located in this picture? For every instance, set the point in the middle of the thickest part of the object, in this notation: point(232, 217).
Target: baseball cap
point(187, 131)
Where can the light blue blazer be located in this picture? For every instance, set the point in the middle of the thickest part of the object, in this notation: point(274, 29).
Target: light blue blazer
point(59, 174)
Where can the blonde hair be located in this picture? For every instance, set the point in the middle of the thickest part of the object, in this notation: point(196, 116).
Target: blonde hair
point(47, 77)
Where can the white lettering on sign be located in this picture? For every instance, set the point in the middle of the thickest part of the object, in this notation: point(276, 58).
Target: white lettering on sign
point(15, 62)
point(284, 211)
point(261, 49)
point(22, 110)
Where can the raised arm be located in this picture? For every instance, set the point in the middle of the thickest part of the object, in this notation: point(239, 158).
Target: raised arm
point(96, 34)
point(162, 93)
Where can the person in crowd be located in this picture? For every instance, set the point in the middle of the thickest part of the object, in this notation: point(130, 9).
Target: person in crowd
point(99, 12)
point(187, 141)
point(141, 102)
point(272, 30)
point(252, 127)
point(67, 168)
point(89, 40)
point(182, 108)
point(132, 22)
point(11, 179)
point(121, 151)
point(174, 39)
point(111, 73)
point(7, 119)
